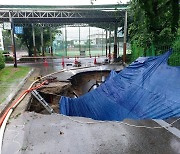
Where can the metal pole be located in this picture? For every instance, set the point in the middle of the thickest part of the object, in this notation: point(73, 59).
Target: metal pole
point(42, 42)
point(125, 33)
point(106, 43)
point(79, 40)
point(34, 41)
point(89, 42)
point(115, 42)
point(13, 41)
point(102, 42)
point(65, 40)
point(118, 48)
point(51, 49)
point(109, 42)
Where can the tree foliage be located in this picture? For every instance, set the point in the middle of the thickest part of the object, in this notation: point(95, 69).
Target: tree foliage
point(153, 22)
point(27, 38)
point(2, 62)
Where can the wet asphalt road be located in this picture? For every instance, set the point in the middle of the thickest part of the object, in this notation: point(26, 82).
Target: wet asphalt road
point(32, 133)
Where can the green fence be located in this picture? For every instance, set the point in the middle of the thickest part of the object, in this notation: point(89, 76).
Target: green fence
point(162, 47)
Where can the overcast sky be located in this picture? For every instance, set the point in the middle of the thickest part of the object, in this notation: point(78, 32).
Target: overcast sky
point(59, 2)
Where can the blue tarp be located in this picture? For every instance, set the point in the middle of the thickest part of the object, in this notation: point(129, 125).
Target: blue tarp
point(146, 89)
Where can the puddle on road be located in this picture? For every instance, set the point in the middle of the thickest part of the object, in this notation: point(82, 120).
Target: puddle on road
point(78, 85)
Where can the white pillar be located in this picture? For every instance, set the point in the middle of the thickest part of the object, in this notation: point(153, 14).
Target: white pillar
point(1, 40)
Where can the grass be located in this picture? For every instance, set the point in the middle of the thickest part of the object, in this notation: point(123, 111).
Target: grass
point(77, 53)
point(11, 74)
point(10, 78)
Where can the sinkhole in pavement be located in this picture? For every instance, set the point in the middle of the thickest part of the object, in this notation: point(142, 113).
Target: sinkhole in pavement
point(77, 85)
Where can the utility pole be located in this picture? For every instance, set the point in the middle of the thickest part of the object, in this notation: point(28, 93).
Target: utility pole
point(115, 42)
point(125, 33)
point(34, 41)
point(42, 42)
point(89, 42)
point(13, 40)
point(106, 44)
point(79, 39)
point(65, 40)
point(51, 49)
point(109, 43)
point(102, 42)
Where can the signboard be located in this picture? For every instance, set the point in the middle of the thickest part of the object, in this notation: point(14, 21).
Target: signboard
point(7, 25)
point(18, 30)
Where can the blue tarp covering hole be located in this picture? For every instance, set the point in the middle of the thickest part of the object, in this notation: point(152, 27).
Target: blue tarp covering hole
point(146, 89)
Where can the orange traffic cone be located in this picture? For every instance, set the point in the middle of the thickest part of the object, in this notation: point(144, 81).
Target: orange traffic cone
point(95, 62)
point(75, 61)
point(45, 63)
point(109, 56)
point(63, 62)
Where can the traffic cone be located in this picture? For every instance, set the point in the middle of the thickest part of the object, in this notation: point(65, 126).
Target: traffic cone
point(75, 61)
point(109, 56)
point(89, 55)
point(95, 62)
point(63, 62)
point(45, 63)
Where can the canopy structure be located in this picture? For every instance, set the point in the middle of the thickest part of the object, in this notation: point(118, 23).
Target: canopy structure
point(147, 89)
point(43, 14)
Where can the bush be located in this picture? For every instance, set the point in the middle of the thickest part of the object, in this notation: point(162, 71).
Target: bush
point(9, 59)
point(2, 62)
point(174, 59)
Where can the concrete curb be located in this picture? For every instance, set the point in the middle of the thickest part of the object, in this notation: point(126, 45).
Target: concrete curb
point(15, 92)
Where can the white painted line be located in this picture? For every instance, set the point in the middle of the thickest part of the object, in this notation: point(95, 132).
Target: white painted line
point(171, 129)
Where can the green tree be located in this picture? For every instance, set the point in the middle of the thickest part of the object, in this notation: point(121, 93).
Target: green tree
point(27, 38)
point(153, 22)
point(2, 62)
point(7, 39)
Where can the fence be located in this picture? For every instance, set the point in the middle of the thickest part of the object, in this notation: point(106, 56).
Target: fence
point(162, 47)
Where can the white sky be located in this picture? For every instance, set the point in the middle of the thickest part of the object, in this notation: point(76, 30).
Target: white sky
point(59, 2)
point(73, 32)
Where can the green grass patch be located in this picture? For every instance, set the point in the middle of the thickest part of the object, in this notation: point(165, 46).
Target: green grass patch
point(10, 77)
point(11, 74)
point(77, 53)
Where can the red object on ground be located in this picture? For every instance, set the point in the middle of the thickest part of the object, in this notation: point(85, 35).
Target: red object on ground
point(109, 56)
point(63, 64)
point(75, 61)
point(14, 103)
point(45, 63)
point(95, 62)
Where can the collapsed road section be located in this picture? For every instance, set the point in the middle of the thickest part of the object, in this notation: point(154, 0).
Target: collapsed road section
point(32, 132)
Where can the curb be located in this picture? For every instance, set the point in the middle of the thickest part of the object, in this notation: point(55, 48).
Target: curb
point(15, 92)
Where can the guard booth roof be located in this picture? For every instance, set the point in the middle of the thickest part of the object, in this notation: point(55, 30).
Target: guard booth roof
point(146, 89)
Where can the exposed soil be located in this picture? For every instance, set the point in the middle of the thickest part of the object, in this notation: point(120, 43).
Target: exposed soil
point(78, 85)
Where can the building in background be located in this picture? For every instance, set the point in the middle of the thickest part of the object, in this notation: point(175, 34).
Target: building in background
point(1, 40)
point(97, 39)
